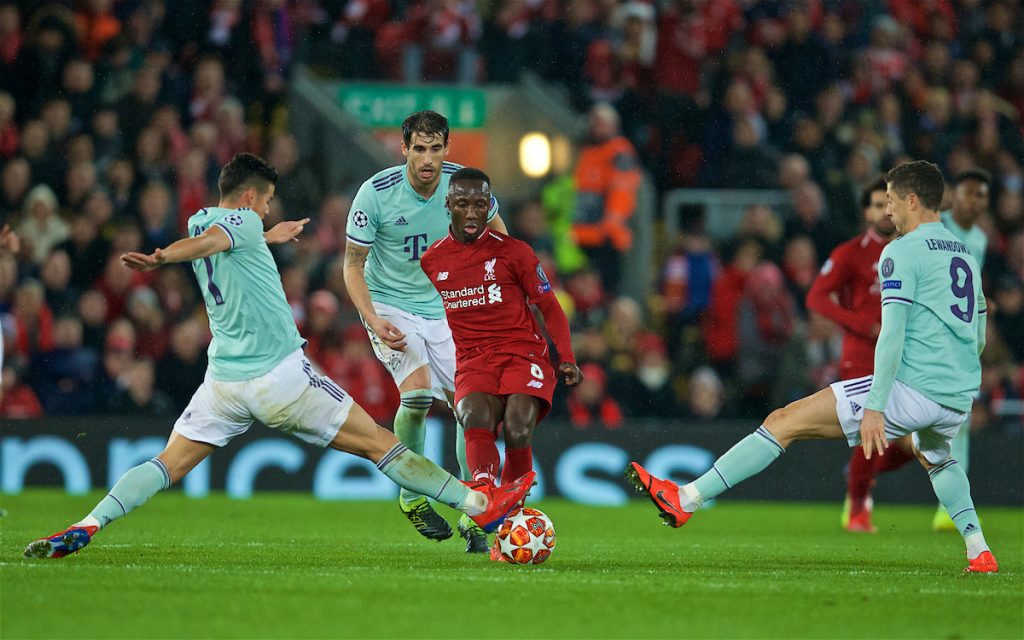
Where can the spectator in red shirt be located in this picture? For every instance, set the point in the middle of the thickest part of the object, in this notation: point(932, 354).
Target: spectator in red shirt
point(97, 25)
point(721, 340)
point(33, 320)
point(17, 400)
point(766, 323)
point(8, 128)
point(590, 404)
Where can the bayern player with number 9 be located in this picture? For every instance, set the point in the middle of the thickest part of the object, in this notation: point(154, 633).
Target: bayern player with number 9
point(926, 373)
point(503, 371)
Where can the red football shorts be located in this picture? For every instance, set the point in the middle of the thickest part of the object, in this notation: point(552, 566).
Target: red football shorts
point(503, 374)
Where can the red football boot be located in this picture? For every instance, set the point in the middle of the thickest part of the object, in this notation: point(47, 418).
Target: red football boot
point(500, 500)
point(663, 493)
point(984, 563)
point(861, 523)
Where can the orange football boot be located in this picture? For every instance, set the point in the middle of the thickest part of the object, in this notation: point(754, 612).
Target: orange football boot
point(663, 493)
point(984, 563)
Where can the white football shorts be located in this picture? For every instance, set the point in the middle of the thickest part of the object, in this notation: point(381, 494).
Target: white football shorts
point(292, 398)
point(908, 412)
point(427, 342)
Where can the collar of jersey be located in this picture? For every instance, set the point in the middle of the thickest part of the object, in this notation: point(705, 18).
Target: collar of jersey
point(874, 236)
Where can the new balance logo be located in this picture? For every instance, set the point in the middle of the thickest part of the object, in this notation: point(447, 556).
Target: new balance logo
point(400, 221)
point(536, 384)
point(443, 275)
point(854, 407)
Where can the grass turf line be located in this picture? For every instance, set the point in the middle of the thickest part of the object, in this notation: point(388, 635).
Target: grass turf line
point(286, 565)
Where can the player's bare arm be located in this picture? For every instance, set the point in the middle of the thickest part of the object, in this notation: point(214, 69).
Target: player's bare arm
point(498, 224)
point(286, 231)
point(210, 242)
point(359, 293)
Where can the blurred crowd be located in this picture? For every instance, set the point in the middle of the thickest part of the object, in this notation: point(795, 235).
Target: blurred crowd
point(115, 117)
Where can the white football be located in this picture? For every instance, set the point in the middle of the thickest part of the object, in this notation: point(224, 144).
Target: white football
point(527, 536)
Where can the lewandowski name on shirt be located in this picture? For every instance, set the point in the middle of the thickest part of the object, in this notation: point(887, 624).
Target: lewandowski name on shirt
point(946, 245)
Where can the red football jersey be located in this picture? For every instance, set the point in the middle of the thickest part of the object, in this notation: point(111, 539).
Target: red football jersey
point(851, 273)
point(486, 287)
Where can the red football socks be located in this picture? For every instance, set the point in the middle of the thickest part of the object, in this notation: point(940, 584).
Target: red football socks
point(482, 453)
point(858, 481)
point(894, 458)
point(518, 462)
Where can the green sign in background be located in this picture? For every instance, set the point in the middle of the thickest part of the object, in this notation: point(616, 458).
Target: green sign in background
point(384, 106)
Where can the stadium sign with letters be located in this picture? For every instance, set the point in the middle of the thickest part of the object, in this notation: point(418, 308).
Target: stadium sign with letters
point(386, 106)
point(584, 466)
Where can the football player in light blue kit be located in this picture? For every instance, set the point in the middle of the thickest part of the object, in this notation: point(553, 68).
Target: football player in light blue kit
point(257, 371)
point(970, 202)
point(395, 216)
point(926, 375)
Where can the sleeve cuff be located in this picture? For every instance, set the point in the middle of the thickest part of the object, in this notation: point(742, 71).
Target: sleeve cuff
point(361, 243)
point(898, 300)
point(495, 207)
point(231, 236)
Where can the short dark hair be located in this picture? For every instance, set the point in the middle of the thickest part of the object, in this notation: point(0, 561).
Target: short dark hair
point(468, 173)
point(245, 171)
point(975, 173)
point(429, 123)
point(920, 177)
point(865, 196)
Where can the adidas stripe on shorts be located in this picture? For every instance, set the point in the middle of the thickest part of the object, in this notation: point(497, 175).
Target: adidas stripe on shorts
point(292, 398)
point(908, 412)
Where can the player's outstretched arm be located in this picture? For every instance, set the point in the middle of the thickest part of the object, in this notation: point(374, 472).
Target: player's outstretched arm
point(820, 299)
point(285, 231)
point(212, 241)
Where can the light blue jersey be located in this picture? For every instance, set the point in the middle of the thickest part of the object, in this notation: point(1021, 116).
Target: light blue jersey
point(974, 238)
point(398, 225)
point(934, 274)
point(252, 325)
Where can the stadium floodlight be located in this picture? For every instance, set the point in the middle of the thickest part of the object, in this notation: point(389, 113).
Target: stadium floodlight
point(535, 155)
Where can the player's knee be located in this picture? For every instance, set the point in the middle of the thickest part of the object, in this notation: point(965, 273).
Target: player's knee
point(779, 423)
point(518, 433)
point(476, 415)
point(923, 460)
point(176, 469)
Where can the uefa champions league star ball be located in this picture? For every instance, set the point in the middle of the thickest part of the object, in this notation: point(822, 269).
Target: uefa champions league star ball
point(526, 537)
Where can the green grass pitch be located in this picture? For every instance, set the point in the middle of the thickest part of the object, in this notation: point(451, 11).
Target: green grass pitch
point(288, 566)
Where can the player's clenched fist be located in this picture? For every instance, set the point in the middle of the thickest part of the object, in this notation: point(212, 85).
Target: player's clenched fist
point(570, 373)
point(388, 333)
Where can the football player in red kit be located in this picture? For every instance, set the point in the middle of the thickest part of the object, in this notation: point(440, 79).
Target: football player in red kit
point(503, 373)
point(847, 292)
